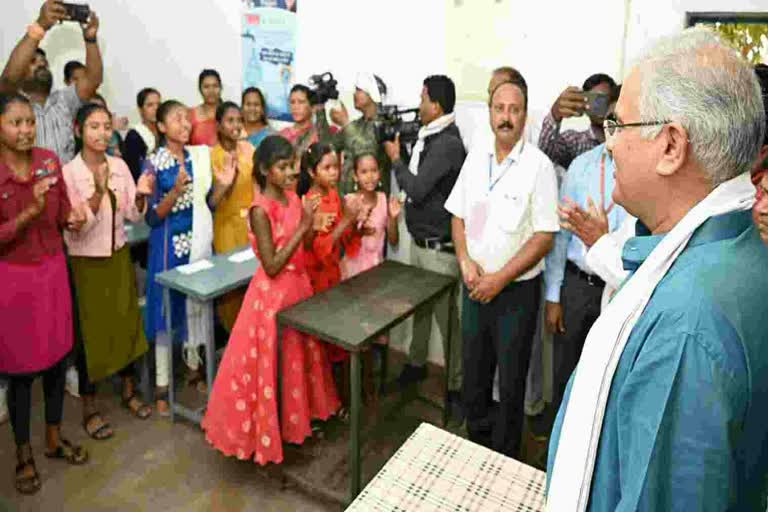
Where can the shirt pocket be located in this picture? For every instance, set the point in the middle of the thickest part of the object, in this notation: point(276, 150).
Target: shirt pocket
point(509, 211)
point(120, 189)
point(85, 186)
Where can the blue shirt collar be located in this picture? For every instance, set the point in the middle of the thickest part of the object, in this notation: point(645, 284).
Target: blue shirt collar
point(638, 248)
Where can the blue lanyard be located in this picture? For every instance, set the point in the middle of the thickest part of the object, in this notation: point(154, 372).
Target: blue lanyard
point(491, 182)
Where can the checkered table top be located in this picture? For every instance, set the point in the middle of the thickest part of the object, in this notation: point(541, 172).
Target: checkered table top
point(437, 471)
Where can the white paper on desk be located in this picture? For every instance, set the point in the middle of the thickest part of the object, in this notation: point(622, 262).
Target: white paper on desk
point(197, 266)
point(242, 256)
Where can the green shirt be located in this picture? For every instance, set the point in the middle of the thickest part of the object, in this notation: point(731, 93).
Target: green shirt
point(357, 138)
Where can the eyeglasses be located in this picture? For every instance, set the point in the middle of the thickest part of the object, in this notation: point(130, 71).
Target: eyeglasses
point(611, 125)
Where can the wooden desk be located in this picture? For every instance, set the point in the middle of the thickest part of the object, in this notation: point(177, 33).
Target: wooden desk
point(354, 312)
point(204, 286)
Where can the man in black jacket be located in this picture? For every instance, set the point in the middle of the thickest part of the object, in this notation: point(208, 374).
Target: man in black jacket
point(427, 181)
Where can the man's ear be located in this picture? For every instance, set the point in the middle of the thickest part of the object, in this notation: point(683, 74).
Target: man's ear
point(675, 149)
point(762, 156)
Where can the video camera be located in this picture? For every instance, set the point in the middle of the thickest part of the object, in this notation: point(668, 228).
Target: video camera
point(323, 88)
point(389, 122)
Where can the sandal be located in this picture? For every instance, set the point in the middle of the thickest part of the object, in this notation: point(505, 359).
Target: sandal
point(343, 414)
point(138, 408)
point(75, 455)
point(29, 484)
point(102, 431)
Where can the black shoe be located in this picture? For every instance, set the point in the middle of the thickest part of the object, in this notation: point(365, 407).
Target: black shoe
point(411, 374)
point(455, 407)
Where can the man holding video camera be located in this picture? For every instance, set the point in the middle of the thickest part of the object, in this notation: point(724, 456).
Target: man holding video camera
point(27, 70)
point(427, 181)
point(591, 99)
point(359, 136)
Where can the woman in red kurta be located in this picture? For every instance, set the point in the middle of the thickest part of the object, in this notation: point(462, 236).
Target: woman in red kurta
point(35, 306)
point(203, 117)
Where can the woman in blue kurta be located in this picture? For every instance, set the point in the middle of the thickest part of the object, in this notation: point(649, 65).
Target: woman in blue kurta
point(179, 213)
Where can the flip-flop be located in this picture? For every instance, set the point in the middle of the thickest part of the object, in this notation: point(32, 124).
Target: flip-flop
point(100, 433)
point(75, 455)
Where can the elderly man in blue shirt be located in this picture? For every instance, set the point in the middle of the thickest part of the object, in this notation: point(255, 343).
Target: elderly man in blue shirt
point(573, 290)
point(666, 409)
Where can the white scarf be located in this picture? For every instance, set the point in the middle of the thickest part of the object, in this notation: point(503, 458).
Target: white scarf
point(147, 135)
point(577, 448)
point(436, 126)
point(200, 314)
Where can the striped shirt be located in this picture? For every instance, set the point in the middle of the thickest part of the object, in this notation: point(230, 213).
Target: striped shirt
point(55, 120)
point(562, 148)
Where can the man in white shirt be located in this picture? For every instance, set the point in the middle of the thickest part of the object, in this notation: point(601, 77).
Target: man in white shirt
point(504, 216)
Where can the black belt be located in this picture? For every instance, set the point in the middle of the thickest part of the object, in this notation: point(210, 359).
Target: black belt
point(435, 244)
point(591, 279)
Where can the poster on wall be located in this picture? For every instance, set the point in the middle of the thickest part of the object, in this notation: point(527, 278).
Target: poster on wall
point(269, 48)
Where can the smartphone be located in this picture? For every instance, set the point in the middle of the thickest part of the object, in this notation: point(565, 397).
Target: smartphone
point(598, 103)
point(77, 12)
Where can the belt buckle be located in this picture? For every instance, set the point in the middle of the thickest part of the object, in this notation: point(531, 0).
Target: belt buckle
point(433, 244)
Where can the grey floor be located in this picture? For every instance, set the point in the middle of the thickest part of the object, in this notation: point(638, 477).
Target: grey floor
point(148, 465)
point(158, 465)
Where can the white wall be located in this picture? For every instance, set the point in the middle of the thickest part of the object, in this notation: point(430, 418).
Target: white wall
point(158, 43)
point(165, 44)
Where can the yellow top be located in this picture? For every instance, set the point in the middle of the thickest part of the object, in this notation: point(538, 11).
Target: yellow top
point(230, 229)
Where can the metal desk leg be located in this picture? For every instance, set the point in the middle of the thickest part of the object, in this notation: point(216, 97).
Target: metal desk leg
point(354, 425)
point(210, 356)
point(448, 334)
point(169, 332)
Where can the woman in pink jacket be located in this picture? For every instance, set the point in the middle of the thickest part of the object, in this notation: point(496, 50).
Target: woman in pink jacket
point(106, 303)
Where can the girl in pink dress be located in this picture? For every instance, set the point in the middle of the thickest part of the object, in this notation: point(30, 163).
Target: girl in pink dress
point(242, 415)
point(378, 218)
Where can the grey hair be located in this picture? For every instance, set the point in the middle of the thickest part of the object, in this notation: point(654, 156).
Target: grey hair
point(694, 79)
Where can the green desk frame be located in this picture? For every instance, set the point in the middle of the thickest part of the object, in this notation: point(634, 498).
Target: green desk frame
point(355, 312)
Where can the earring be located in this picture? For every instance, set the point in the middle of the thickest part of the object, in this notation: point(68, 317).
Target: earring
point(380, 184)
point(355, 187)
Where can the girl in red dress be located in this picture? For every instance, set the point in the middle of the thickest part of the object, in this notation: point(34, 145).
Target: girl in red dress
point(242, 417)
point(334, 227)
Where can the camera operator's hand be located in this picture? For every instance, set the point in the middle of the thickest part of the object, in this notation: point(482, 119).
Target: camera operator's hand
point(392, 148)
point(91, 28)
point(339, 115)
point(51, 13)
point(571, 103)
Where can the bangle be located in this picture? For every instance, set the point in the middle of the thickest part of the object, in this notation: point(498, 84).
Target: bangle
point(91, 40)
point(35, 31)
